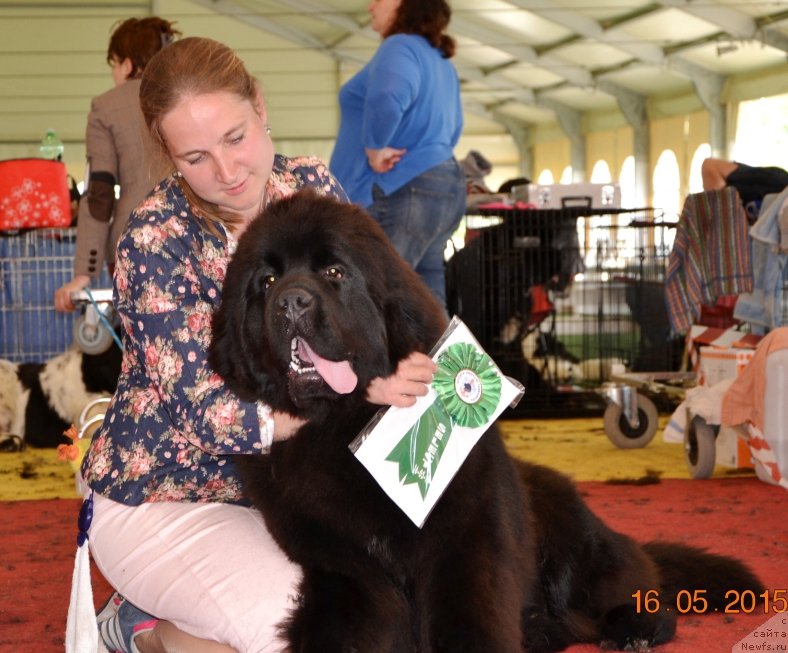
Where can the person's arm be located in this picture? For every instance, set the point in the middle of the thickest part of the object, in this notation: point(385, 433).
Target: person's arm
point(63, 301)
point(714, 172)
point(97, 205)
point(394, 80)
point(95, 208)
point(168, 279)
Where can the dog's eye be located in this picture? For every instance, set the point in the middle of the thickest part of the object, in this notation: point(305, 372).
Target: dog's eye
point(334, 273)
point(268, 281)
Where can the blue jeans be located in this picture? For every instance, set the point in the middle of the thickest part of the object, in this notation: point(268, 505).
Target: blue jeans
point(420, 217)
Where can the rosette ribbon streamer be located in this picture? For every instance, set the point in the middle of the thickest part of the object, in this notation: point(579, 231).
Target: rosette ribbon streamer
point(468, 387)
point(81, 626)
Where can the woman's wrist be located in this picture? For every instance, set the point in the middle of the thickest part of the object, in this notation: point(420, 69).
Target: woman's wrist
point(265, 417)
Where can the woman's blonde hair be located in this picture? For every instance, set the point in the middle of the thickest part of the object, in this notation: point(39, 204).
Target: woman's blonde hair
point(189, 67)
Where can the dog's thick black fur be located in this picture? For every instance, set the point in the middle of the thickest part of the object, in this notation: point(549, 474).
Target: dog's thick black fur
point(510, 559)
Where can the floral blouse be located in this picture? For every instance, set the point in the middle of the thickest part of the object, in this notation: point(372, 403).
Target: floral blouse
point(171, 421)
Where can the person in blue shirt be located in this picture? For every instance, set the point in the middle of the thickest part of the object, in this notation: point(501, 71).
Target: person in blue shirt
point(401, 117)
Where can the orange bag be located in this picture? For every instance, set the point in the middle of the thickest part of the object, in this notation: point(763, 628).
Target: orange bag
point(33, 193)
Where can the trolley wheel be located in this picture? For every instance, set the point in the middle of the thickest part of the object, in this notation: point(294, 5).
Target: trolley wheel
point(700, 447)
point(620, 431)
point(91, 339)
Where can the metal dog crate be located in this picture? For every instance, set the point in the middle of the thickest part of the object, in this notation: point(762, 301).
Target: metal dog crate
point(563, 298)
point(33, 264)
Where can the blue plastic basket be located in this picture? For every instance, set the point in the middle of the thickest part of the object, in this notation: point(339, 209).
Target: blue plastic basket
point(33, 264)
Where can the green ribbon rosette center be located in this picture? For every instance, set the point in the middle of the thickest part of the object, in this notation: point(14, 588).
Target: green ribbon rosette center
point(468, 386)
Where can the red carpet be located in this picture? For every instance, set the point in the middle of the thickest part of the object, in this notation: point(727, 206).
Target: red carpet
point(741, 517)
point(39, 544)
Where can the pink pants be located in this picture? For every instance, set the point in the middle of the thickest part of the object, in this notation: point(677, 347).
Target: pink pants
point(211, 569)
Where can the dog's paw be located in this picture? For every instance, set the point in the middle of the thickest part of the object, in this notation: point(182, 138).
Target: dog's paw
point(11, 443)
point(625, 629)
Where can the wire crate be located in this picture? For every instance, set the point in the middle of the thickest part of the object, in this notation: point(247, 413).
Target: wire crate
point(33, 264)
point(563, 298)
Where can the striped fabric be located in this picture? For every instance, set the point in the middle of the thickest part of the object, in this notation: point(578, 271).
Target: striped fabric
point(710, 256)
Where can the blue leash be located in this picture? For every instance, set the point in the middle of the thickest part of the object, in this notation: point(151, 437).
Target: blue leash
point(104, 320)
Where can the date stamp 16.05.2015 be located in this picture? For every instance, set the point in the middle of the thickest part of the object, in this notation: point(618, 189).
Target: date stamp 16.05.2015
point(694, 601)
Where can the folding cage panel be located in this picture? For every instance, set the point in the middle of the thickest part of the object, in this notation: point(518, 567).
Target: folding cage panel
point(563, 298)
point(33, 264)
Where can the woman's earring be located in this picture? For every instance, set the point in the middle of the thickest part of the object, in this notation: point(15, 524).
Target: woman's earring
point(267, 129)
point(177, 173)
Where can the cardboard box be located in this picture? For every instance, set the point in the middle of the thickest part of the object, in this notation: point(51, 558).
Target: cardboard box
point(701, 336)
point(559, 196)
point(718, 364)
point(732, 450)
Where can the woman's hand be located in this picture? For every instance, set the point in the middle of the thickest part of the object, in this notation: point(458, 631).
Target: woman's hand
point(63, 302)
point(384, 159)
point(410, 380)
point(285, 425)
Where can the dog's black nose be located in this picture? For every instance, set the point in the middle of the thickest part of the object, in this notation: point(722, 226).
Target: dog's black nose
point(294, 303)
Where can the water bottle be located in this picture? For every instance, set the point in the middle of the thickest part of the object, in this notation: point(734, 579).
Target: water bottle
point(51, 146)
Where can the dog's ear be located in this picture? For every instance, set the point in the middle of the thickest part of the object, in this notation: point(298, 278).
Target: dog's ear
point(233, 355)
point(413, 317)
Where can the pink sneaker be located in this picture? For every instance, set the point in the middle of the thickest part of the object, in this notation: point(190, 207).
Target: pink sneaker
point(110, 608)
point(119, 631)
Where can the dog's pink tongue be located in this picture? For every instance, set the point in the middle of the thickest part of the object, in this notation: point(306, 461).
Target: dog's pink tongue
point(339, 375)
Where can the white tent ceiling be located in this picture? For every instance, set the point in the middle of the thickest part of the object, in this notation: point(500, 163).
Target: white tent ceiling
point(522, 62)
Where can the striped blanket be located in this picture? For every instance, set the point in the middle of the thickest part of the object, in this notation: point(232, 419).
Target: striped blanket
point(710, 256)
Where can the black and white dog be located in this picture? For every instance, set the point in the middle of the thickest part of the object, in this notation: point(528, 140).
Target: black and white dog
point(39, 401)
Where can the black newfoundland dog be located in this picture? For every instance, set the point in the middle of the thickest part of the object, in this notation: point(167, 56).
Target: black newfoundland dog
point(316, 304)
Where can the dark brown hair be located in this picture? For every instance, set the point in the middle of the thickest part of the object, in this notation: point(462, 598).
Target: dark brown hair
point(427, 18)
point(190, 67)
point(138, 39)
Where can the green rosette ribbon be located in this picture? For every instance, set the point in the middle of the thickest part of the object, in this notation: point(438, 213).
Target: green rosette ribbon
point(468, 386)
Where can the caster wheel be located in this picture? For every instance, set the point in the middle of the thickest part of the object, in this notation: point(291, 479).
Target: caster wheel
point(700, 448)
point(620, 431)
point(91, 339)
